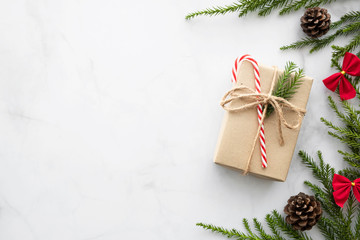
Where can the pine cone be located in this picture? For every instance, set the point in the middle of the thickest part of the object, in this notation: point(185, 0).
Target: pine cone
point(303, 211)
point(315, 22)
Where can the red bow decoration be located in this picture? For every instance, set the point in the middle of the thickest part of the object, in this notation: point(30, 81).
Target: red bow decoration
point(351, 66)
point(342, 187)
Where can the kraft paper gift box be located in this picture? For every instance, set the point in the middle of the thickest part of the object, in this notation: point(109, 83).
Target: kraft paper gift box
point(239, 129)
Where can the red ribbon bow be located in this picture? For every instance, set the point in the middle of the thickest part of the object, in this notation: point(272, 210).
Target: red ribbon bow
point(342, 187)
point(351, 66)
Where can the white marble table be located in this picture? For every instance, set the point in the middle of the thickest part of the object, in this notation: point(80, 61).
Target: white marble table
point(110, 115)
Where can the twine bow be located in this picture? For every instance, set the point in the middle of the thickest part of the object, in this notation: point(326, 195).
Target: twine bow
point(278, 103)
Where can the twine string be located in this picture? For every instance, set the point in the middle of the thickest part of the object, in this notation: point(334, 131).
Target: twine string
point(278, 103)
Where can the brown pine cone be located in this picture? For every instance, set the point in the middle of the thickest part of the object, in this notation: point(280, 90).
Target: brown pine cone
point(315, 22)
point(303, 211)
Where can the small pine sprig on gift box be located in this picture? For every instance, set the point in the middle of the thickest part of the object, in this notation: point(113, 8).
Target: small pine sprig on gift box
point(288, 83)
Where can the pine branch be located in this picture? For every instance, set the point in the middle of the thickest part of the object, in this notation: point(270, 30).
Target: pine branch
point(353, 16)
point(233, 233)
point(316, 44)
point(299, 4)
point(304, 42)
point(335, 64)
point(294, 6)
point(286, 228)
point(270, 5)
point(341, 116)
point(273, 227)
point(350, 173)
point(318, 3)
point(348, 25)
point(323, 172)
point(262, 7)
point(216, 11)
point(326, 227)
point(350, 212)
point(353, 114)
point(357, 225)
point(350, 133)
point(228, 233)
point(339, 52)
point(337, 225)
point(251, 6)
point(343, 134)
point(248, 229)
point(351, 158)
point(275, 222)
point(288, 83)
point(261, 231)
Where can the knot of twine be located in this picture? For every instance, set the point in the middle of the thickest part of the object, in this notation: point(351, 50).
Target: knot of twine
point(278, 103)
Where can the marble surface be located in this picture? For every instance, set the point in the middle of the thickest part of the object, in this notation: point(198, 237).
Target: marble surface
point(110, 115)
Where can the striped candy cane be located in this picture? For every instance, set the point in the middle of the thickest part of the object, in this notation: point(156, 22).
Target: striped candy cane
point(255, 65)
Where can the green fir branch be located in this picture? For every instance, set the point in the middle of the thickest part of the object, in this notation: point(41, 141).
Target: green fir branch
point(353, 16)
point(341, 116)
point(287, 228)
point(322, 171)
point(307, 41)
point(248, 229)
point(318, 43)
point(350, 133)
point(337, 223)
point(294, 6)
point(317, 3)
point(216, 11)
point(350, 173)
point(270, 5)
point(261, 7)
point(300, 4)
point(326, 227)
point(259, 228)
point(357, 226)
point(339, 52)
point(226, 232)
point(347, 26)
point(251, 6)
point(351, 158)
point(275, 221)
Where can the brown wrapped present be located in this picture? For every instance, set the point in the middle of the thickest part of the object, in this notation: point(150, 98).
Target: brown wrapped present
point(238, 144)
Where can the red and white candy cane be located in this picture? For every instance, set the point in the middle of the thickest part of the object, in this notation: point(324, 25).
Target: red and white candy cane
point(255, 65)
